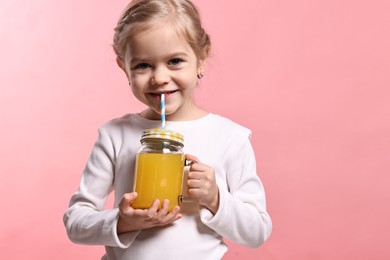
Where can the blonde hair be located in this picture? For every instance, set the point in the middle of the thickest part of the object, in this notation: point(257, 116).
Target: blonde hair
point(182, 15)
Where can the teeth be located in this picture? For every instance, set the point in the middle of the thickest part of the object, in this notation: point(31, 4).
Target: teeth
point(166, 93)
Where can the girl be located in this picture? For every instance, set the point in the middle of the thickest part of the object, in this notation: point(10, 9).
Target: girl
point(162, 48)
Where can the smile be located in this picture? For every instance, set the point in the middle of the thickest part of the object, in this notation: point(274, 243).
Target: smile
point(167, 93)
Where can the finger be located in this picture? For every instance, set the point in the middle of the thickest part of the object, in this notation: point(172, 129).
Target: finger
point(194, 183)
point(200, 167)
point(126, 200)
point(175, 211)
point(201, 175)
point(164, 210)
point(174, 215)
point(192, 158)
point(151, 212)
point(130, 197)
point(195, 194)
point(196, 175)
point(199, 194)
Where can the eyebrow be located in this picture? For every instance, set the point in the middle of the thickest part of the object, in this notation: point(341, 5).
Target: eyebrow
point(178, 54)
point(175, 54)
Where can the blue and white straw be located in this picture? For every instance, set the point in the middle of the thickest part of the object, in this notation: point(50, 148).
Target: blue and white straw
point(163, 111)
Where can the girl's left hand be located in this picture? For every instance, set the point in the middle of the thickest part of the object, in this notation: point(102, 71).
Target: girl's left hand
point(202, 186)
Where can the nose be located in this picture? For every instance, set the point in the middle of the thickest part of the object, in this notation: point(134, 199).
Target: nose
point(161, 75)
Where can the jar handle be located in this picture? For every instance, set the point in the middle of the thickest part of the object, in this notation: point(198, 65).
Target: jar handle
point(186, 198)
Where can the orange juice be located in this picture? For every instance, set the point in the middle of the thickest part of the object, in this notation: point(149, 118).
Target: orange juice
point(158, 176)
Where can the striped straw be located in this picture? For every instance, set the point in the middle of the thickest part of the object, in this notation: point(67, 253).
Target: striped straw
point(163, 111)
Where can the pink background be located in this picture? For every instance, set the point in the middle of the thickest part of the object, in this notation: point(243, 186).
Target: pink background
point(310, 78)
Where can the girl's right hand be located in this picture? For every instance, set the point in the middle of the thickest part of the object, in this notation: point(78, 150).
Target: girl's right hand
point(131, 219)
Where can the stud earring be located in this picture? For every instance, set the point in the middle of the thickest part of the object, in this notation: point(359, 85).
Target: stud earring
point(200, 75)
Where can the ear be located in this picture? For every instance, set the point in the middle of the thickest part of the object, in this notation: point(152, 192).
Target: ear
point(201, 67)
point(122, 65)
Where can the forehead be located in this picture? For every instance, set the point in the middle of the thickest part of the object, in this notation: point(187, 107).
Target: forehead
point(158, 40)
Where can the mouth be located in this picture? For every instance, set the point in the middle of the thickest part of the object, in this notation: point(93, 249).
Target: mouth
point(158, 94)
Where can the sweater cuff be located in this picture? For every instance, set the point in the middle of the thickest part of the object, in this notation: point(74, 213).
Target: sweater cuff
point(207, 217)
point(123, 240)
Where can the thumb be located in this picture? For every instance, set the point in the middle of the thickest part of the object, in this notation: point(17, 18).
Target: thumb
point(131, 196)
point(127, 199)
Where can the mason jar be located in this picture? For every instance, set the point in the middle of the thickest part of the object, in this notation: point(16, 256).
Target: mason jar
point(159, 168)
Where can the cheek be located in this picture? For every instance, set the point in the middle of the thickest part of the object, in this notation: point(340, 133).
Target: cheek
point(134, 90)
point(189, 79)
point(136, 80)
point(136, 85)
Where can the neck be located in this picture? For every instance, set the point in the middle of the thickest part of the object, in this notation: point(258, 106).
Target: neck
point(194, 113)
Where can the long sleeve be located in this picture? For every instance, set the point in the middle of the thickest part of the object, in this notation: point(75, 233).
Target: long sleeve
point(85, 220)
point(218, 142)
point(242, 215)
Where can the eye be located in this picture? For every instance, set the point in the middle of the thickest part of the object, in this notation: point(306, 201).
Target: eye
point(175, 61)
point(142, 66)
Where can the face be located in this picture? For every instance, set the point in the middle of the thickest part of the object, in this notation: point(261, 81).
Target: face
point(160, 61)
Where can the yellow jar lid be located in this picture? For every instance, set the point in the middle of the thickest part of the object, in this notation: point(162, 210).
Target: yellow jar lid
point(158, 133)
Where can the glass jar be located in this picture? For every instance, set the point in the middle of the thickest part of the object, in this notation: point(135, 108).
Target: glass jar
point(159, 168)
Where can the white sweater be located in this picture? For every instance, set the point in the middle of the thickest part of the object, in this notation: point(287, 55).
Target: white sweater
point(217, 142)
